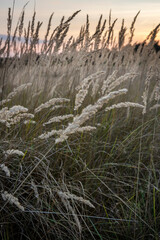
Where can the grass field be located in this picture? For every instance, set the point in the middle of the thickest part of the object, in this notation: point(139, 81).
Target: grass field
point(80, 132)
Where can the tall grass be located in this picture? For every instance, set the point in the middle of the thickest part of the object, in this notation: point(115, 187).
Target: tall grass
point(79, 125)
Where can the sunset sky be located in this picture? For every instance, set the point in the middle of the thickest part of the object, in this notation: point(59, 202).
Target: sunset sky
point(127, 9)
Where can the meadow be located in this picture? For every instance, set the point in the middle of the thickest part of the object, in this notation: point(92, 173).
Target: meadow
point(79, 132)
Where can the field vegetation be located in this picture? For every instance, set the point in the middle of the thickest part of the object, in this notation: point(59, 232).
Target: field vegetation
point(80, 132)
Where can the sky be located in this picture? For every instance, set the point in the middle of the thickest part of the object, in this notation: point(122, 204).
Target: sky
point(127, 9)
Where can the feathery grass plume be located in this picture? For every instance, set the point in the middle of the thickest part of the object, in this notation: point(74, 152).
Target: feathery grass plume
point(132, 29)
point(37, 94)
point(103, 26)
point(14, 36)
point(86, 114)
point(153, 34)
point(95, 87)
point(73, 130)
point(109, 96)
point(47, 33)
point(103, 42)
point(9, 24)
point(156, 91)
point(60, 40)
point(26, 36)
point(77, 44)
point(98, 33)
point(4, 101)
point(120, 80)
point(68, 195)
point(3, 114)
point(70, 209)
point(35, 189)
point(83, 88)
point(10, 152)
point(84, 129)
point(21, 25)
point(155, 107)
point(51, 42)
point(35, 39)
point(47, 135)
point(81, 96)
point(54, 40)
point(62, 21)
point(56, 107)
point(98, 37)
point(20, 21)
point(58, 119)
point(124, 105)
point(5, 169)
point(122, 35)
point(63, 34)
point(154, 94)
point(12, 200)
point(111, 78)
point(2, 49)
point(33, 24)
point(6, 114)
point(18, 118)
point(67, 45)
point(14, 115)
point(110, 17)
point(86, 37)
point(97, 27)
point(81, 36)
point(146, 90)
point(18, 90)
point(71, 17)
point(17, 109)
point(50, 103)
point(110, 31)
